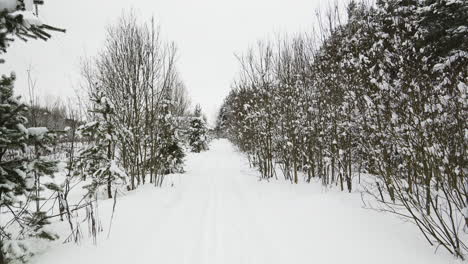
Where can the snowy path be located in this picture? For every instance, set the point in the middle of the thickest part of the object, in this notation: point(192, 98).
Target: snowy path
point(219, 213)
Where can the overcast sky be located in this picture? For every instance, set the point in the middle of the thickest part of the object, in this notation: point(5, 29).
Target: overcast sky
point(207, 32)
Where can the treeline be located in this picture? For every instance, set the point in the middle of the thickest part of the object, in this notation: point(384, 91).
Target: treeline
point(382, 91)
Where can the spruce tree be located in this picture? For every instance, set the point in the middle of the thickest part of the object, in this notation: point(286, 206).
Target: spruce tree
point(23, 151)
point(198, 132)
point(13, 136)
point(20, 175)
point(170, 152)
point(97, 161)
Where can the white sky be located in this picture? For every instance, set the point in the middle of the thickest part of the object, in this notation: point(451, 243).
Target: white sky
point(207, 32)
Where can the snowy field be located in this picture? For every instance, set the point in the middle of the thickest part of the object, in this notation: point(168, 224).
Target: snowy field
point(218, 212)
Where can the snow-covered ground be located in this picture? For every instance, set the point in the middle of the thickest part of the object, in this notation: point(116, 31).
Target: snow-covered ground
point(218, 212)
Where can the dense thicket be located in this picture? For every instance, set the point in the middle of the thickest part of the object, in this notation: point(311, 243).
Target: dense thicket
point(384, 93)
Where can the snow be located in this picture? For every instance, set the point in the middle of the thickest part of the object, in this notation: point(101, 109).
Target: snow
point(37, 132)
point(450, 59)
point(114, 169)
point(29, 18)
point(218, 212)
point(21, 128)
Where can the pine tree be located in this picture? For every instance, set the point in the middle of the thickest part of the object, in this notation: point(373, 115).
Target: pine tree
point(198, 132)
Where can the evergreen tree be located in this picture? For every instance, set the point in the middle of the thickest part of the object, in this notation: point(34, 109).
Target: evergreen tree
point(13, 136)
point(20, 175)
point(170, 153)
point(23, 152)
point(98, 160)
point(198, 132)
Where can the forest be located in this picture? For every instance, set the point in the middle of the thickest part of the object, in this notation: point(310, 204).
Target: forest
point(373, 102)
